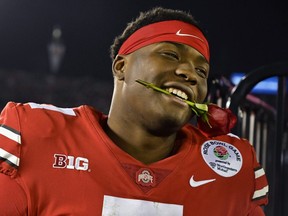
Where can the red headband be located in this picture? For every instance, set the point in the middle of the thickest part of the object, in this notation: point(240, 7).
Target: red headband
point(173, 30)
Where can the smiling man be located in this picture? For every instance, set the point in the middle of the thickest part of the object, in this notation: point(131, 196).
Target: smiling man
point(144, 158)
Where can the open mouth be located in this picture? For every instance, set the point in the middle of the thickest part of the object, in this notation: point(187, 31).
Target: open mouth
point(178, 93)
point(200, 110)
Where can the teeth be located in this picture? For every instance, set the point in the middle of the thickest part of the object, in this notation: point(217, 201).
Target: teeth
point(178, 93)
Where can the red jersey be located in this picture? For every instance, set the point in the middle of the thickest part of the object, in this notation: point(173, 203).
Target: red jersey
point(63, 163)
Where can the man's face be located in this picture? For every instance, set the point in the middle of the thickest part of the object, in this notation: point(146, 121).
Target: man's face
point(174, 67)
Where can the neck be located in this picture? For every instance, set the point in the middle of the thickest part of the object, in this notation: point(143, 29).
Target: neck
point(139, 143)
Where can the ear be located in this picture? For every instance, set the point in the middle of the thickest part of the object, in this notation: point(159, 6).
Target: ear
point(118, 67)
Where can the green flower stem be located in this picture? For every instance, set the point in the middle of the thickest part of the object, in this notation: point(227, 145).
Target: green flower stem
point(200, 110)
point(151, 85)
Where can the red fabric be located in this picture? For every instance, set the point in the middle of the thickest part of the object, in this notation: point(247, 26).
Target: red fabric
point(68, 165)
point(172, 30)
point(12, 199)
point(10, 147)
point(256, 211)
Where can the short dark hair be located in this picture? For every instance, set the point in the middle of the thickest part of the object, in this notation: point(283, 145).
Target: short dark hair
point(154, 15)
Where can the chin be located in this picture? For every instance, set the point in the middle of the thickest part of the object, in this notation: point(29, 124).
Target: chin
point(176, 119)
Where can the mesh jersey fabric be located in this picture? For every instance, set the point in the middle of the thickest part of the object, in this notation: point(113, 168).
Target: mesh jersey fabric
point(66, 164)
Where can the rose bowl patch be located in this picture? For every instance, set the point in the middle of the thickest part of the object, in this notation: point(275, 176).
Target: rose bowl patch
point(223, 158)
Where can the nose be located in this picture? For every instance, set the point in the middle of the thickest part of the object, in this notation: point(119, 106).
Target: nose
point(187, 72)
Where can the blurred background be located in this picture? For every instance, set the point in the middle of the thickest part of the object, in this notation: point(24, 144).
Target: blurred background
point(61, 47)
point(57, 51)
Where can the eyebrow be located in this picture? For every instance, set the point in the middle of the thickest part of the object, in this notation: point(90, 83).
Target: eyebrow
point(202, 58)
point(183, 46)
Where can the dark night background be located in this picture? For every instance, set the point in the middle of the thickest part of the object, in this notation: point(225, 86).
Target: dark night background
point(243, 35)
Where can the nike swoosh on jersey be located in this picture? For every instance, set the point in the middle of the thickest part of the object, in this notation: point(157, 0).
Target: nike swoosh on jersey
point(194, 183)
point(187, 35)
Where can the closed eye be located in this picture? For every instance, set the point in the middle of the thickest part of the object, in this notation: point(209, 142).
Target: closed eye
point(202, 72)
point(171, 54)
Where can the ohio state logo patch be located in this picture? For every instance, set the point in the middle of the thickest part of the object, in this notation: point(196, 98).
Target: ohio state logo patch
point(145, 177)
point(223, 158)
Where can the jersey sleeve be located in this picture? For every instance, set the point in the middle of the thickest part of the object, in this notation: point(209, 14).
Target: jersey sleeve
point(261, 187)
point(10, 140)
point(256, 211)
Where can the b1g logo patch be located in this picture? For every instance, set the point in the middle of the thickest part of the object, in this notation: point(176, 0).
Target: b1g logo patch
point(224, 158)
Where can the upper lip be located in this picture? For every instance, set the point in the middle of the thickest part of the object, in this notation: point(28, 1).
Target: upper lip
point(184, 88)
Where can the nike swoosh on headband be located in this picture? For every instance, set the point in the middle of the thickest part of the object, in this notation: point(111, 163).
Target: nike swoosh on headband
point(187, 35)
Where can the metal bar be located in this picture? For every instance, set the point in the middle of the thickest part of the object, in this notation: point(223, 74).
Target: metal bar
point(273, 149)
point(251, 79)
point(279, 164)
